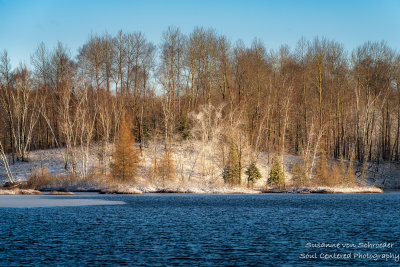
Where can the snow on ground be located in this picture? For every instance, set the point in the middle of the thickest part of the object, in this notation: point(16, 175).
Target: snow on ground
point(198, 170)
point(340, 190)
point(20, 192)
point(384, 175)
point(52, 160)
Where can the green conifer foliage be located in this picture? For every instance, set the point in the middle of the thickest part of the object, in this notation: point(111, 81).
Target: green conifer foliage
point(231, 172)
point(276, 175)
point(253, 174)
point(184, 128)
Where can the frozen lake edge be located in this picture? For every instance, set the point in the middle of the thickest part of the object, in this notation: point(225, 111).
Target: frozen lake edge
point(41, 201)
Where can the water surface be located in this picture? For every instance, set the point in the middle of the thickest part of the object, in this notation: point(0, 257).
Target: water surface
point(214, 230)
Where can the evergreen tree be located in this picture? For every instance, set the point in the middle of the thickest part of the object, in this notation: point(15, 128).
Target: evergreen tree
point(253, 174)
point(231, 172)
point(184, 128)
point(276, 175)
point(125, 157)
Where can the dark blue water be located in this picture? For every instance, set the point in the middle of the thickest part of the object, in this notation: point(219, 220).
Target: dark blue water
point(214, 230)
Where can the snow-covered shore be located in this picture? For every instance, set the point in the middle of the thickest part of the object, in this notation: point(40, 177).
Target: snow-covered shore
point(181, 190)
point(332, 190)
point(17, 191)
point(198, 171)
point(238, 190)
point(126, 189)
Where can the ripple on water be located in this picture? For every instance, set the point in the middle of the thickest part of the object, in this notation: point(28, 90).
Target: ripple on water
point(196, 229)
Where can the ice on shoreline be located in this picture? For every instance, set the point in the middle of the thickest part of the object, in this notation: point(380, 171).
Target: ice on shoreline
point(32, 201)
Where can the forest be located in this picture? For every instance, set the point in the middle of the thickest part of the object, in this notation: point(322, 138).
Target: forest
point(330, 108)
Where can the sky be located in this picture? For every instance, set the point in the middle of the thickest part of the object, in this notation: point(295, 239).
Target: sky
point(26, 23)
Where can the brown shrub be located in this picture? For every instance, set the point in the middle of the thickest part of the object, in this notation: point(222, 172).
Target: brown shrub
point(299, 175)
point(166, 167)
point(323, 174)
point(39, 178)
point(351, 177)
point(338, 173)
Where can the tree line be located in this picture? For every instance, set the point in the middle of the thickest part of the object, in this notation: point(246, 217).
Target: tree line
point(314, 99)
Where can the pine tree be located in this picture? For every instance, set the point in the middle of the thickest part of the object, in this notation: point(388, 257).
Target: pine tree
point(125, 157)
point(253, 174)
point(184, 128)
point(231, 173)
point(276, 175)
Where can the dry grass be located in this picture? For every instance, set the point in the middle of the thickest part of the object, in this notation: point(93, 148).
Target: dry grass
point(38, 179)
point(41, 179)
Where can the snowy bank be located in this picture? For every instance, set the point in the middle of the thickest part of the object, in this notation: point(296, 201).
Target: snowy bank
point(180, 190)
point(198, 171)
point(17, 191)
point(330, 190)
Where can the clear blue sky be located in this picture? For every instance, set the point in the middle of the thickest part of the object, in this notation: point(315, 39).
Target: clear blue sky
point(24, 24)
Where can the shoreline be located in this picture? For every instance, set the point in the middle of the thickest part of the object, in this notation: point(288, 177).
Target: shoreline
point(133, 190)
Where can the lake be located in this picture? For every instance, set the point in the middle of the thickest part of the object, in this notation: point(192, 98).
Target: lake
point(214, 230)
